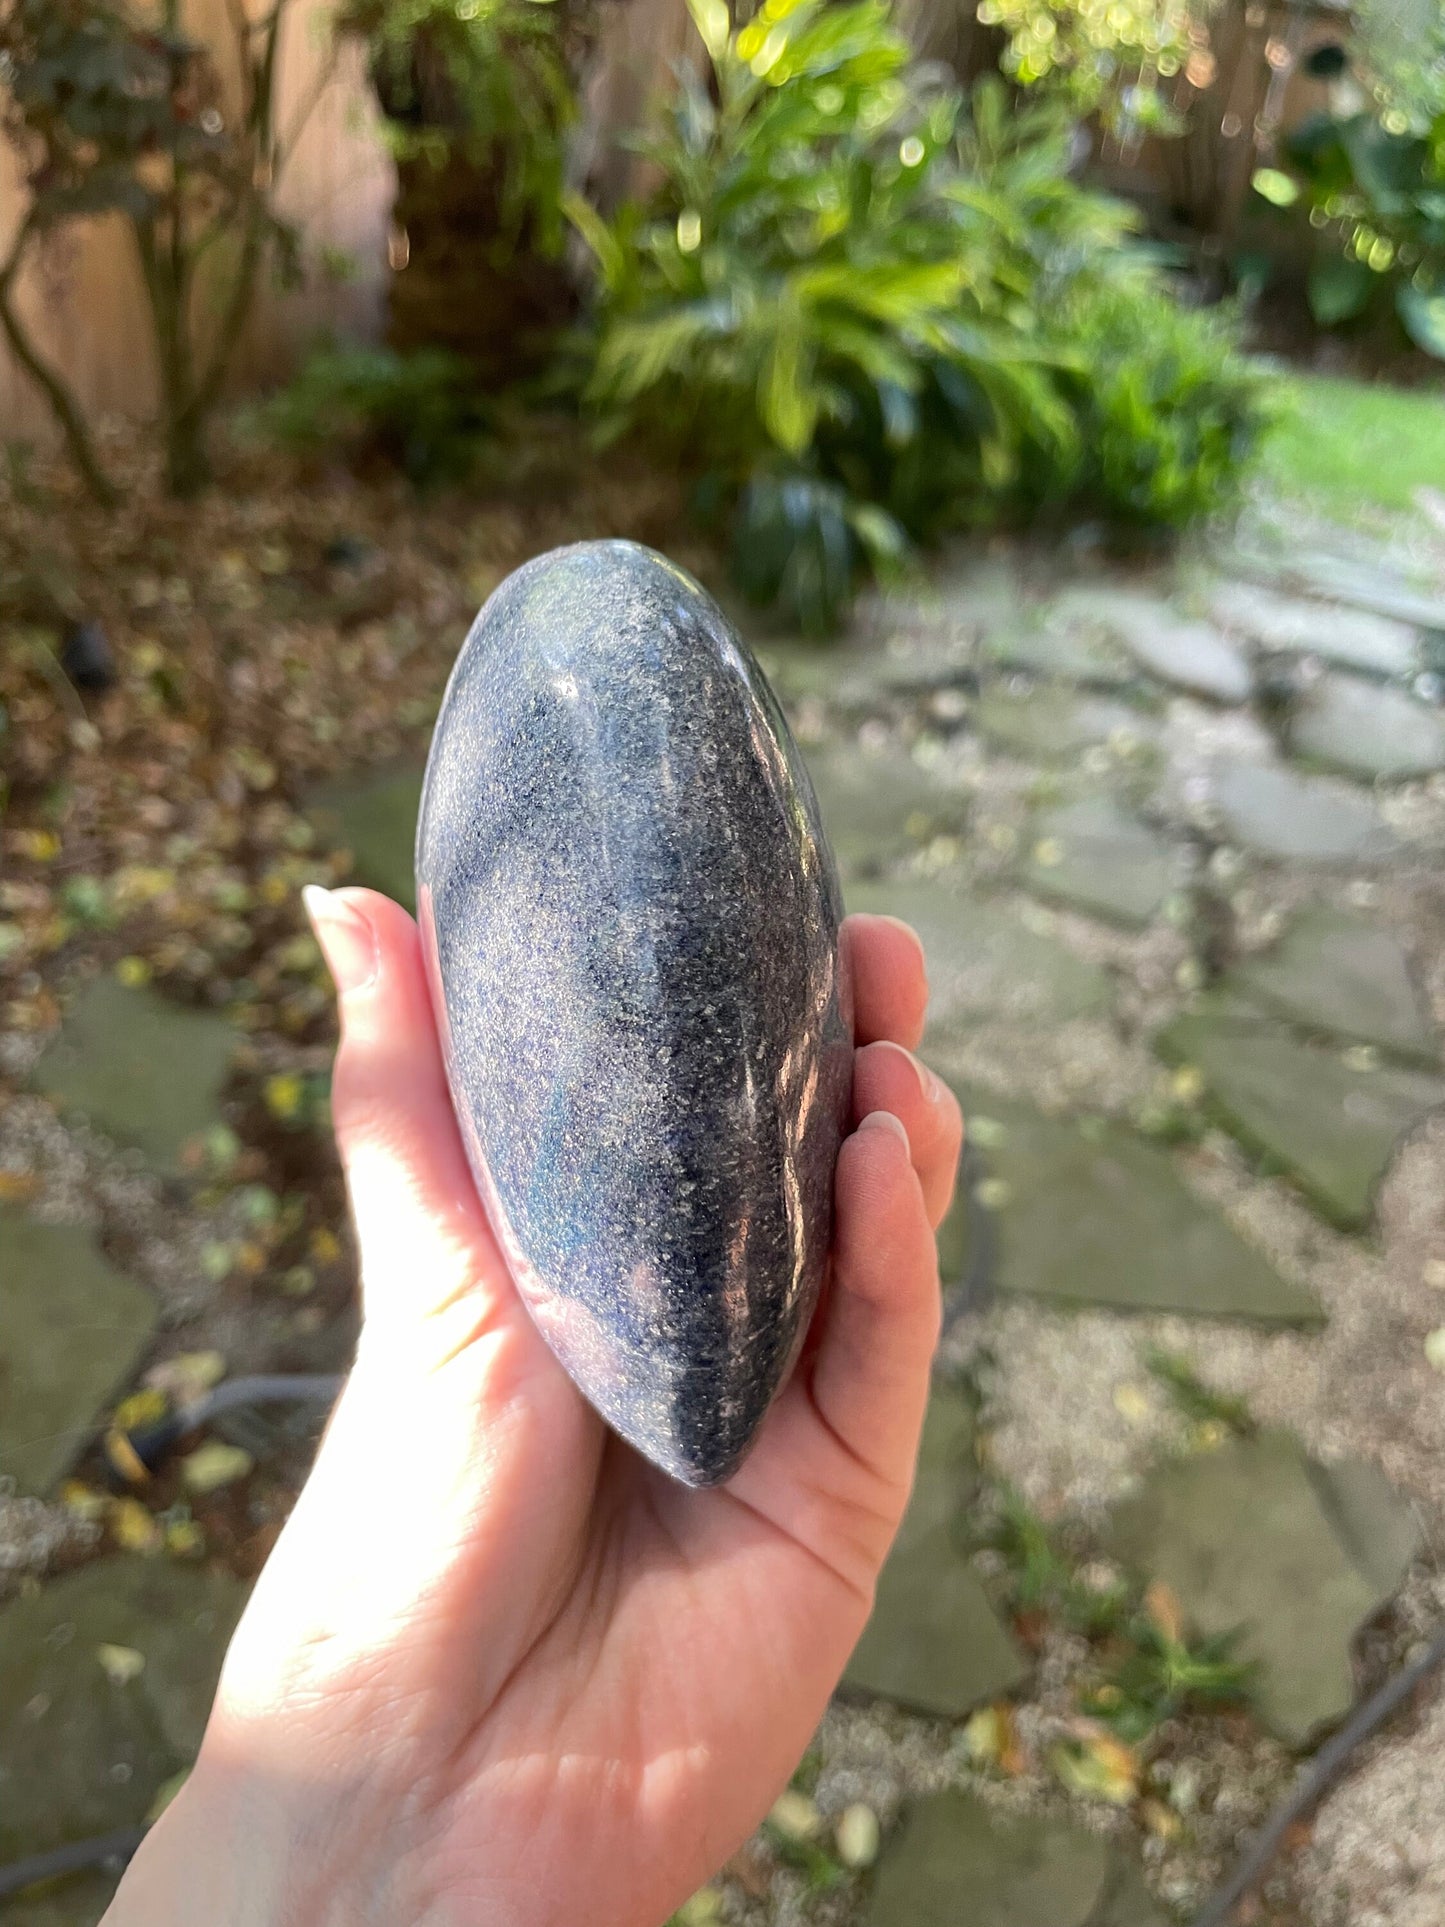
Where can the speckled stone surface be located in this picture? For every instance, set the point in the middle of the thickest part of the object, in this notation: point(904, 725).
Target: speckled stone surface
point(631, 917)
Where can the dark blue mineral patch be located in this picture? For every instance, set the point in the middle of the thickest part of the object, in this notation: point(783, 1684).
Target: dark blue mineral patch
point(632, 914)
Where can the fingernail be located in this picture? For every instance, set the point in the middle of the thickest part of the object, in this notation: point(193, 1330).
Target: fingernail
point(902, 923)
point(346, 937)
point(884, 1121)
point(930, 1088)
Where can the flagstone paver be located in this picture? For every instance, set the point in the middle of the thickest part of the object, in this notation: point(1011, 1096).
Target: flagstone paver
point(879, 805)
point(1332, 971)
point(72, 1329)
point(1100, 857)
point(934, 1643)
point(1331, 1120)
point(1367, 730)
point(1086, 1213)
point(1051, 645)
point(1175, 649)
point(1291, 625)
point(106, 1680)
point(984, 960)
point(144, 1070)
point(1364, 584)
point(1192, 656)
point(1294, 818)
point(1049, 725)
point(72, 1903)
point(953, 1863)
point(1242, 1538)
point(375, 818)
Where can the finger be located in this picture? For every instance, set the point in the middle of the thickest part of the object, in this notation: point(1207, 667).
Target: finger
point(880, 1326)
point(890, 982)
point(422, 1231)
point(888, 1078)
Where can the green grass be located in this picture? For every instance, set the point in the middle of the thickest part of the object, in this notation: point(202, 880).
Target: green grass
point(1351, 445)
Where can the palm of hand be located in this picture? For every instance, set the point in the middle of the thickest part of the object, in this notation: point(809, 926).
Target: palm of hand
point(506, 1670)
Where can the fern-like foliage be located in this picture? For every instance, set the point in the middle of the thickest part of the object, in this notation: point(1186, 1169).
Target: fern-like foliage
point(842, 305)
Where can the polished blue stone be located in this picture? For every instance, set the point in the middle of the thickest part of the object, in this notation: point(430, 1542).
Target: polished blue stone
point(631, 914)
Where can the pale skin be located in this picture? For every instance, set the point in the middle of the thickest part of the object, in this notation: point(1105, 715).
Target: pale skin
point(498, 1671)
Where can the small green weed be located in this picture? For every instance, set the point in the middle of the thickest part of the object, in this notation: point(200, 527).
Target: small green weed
point(1148, 1668)
point(1201, 1404)
point(1044, 1580)
point(1160, 1673)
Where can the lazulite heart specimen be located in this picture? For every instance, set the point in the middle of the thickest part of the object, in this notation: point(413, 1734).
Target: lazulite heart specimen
point(631, 920)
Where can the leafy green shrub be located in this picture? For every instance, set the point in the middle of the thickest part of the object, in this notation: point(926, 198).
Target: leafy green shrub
point(488, 78)
point(848, 305)
point(1170, 413)
point(1110, 60)
point(1379, 188)
point(419, 412)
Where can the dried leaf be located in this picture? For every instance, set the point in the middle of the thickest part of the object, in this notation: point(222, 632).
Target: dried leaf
point(140, 1409)
point(215, 1465)
point(794, 1815)
point(184, 1377)
point(1097, 1766)
point(165, 1793)
point(991, 1737)
point(133, 1528)
point(184, 1539)
point(83, 1501)
point(858, 1836)
point(704, 1907)
point(284, 1094)
point(1164, 1612)
point(120, 1664)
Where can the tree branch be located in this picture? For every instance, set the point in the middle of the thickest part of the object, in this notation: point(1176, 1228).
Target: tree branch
point(63, 404)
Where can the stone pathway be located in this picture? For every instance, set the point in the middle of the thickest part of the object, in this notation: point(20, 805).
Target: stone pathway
point(139, 1069)
point(1209, 779)
point(106, 1680)
point(72, 1330)
point(1237, 1531)
point(934, 1643)
point(1173, 845)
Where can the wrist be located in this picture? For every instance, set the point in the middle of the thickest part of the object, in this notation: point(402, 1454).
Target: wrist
point(235, 1852)
point(240, 1848)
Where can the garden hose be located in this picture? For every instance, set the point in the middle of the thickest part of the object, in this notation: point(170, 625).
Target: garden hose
point(133, 1455)
point(106, 1850)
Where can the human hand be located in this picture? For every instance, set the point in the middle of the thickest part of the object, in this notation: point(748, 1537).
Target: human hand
point(499, 1669)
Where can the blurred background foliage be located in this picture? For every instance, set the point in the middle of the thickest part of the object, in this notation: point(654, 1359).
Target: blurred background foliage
point(862, 276)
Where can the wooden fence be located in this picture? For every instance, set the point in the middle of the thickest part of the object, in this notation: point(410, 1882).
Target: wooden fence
point(81, 294)
point(85, 306)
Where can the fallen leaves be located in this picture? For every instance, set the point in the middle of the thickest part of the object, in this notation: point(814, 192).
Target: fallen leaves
point(120, 1664)
point(857, 1836)
point(215, 1465)
point(1096, 1765)
point(991, 1739)
point(186, 1376)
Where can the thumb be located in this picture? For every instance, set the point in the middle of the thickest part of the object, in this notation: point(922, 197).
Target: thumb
point(424, 1237)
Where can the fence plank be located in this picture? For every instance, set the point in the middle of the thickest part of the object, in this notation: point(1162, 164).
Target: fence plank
point(81, 294)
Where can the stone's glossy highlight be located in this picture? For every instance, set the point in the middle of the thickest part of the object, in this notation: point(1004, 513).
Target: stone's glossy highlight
point(631, 917)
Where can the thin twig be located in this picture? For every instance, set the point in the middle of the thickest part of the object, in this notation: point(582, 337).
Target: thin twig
point(62, 403)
